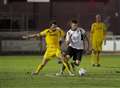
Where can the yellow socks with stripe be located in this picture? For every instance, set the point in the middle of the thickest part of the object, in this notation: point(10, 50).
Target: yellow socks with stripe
point(39, 68)
point(67, 67)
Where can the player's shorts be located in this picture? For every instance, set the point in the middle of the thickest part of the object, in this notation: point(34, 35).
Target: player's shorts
point(97, 45)
point(52, 52)
point(76, 54)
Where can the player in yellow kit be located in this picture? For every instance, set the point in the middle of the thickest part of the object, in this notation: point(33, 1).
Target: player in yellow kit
point(52, 37)
point(97, 35)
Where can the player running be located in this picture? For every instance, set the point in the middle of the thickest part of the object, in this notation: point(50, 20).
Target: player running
point(52, 37)
point(75, 45)
point(97, 35)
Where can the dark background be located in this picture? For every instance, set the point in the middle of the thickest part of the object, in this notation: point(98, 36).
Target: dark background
point(18, 18)
point(18, 15)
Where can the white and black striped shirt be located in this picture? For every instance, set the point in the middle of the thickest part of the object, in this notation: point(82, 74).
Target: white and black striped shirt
point(75, 39)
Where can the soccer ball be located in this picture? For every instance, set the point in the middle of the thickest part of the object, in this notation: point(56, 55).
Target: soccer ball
point(82, 72)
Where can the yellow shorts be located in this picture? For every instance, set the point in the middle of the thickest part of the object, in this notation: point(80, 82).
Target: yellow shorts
point(97, 45)
point(52, 52)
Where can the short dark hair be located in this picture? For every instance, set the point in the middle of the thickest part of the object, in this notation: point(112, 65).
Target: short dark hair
point(74, 21)
point(53, 22)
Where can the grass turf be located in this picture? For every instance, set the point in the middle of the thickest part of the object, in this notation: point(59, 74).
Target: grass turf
point(15, 73)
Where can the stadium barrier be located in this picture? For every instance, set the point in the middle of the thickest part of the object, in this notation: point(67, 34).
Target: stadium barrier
point(110, 45)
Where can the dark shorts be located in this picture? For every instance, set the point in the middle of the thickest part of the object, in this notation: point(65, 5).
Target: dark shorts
point(76, 54)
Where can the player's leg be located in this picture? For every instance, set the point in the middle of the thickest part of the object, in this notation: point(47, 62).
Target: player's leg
point(73, 62)
point(93, 57)
point(94, 52)
point(66, 65)
point(98, 54)
point(79, 54)
point(98, 59)
point(77, 58)
point(63, 66)
point(67, 55)
point(40, 66)
point(44, 62)
point(59, 55)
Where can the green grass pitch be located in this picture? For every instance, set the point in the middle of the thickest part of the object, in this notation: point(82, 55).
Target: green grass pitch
point(14, 73)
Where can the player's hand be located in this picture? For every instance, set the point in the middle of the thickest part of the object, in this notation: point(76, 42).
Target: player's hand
point(25, 37)
point(88, 51)
point(91, 50)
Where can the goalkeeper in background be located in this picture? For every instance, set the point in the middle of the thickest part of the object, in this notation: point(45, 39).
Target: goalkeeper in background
point(97, 36)
point(52, 37)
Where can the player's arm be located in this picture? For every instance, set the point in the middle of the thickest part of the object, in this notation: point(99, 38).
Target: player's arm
point(105, 29)
point(43, 33)
point(91, 36)
point(61, 35)
point(86, 41)
point(68, 38)
point(31, 36)
point(91, 32)
point(104, 33)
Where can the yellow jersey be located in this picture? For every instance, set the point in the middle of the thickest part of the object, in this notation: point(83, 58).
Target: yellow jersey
point(98, 30)
point(52, 37)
